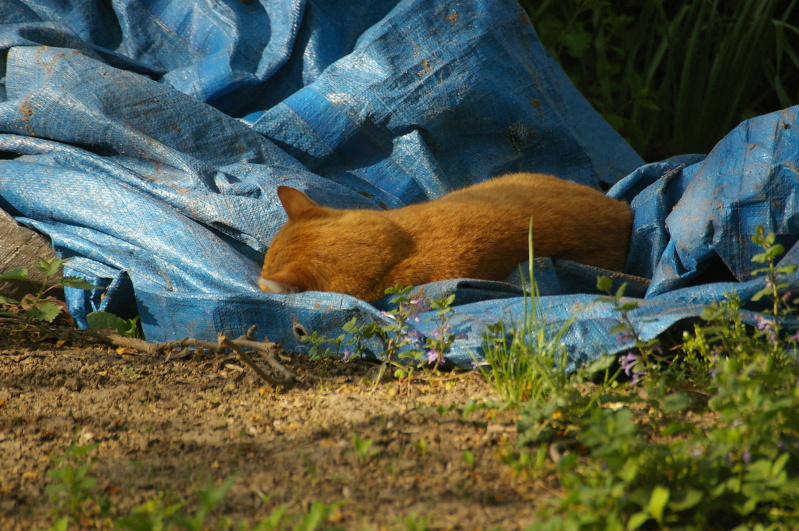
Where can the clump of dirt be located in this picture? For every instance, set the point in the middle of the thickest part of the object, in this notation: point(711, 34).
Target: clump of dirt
point(165, 428)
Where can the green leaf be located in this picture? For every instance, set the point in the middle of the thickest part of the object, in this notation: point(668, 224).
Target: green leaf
point(621, 291)
point(603, 283)
point(658, 501)
point(647, 103)
point(49, 267)
point(601, 364)
point(78, 283)
point(46, 311)
point(771, 238)
point(104, 320)
point(6, 300)
point(619, 328)
point(62, 524)
point(576, 42)
point(626, 306)
point(637, 520)
point(468, 458)
point(680, 501)
point(760, 294)
point(676, 402)
point(351, 326)
point(133, 329)
point(15, 274)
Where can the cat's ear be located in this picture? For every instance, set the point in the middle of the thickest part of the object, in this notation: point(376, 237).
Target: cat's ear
point(294, 202)
point(285, 281)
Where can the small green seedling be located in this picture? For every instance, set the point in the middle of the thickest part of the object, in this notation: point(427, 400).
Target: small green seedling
point(73, 485)
point(363, 447)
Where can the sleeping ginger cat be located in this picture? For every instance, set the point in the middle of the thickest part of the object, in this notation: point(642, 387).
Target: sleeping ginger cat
point(477, 232)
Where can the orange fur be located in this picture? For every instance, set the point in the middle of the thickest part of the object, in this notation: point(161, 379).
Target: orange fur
point(477, 232)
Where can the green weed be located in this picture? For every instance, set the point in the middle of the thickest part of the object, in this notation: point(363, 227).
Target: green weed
point(647, 459)
point(76, 503)
point(39, 306)
point(526, 362)
point(414, 522)
point(72, 493)
point(403, 348)
point(44, 308)
point(362, 447)
point(103, 320)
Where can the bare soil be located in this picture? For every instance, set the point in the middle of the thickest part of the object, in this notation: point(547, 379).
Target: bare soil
point(165, 428)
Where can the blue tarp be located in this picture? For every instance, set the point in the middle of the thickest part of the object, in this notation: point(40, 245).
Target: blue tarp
point(147, 139)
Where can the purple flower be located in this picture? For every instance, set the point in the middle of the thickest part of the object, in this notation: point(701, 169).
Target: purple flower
point(746, 457)
point(432, 355)
point(628, 365)
point(628, 362)
point(347, 354)
point(763, 323)
point(766, 325)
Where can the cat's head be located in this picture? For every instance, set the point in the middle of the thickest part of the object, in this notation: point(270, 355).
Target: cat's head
point(280, 273)
point(327, 249)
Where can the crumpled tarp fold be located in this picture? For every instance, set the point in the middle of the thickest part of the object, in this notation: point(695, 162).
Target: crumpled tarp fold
point(147, 139)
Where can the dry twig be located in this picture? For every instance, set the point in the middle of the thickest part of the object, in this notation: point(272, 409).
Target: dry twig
point(267, 348)
point(223, 341)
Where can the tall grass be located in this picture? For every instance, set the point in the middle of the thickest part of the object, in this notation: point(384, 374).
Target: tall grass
point(527, 362)
point(674, 77)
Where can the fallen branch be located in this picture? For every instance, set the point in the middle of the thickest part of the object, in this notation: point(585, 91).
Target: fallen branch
point(163, 346)
point(270, 353)
point(267, 348)
point(223, 341)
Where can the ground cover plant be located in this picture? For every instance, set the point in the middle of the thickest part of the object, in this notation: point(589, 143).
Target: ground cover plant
point(42, 306)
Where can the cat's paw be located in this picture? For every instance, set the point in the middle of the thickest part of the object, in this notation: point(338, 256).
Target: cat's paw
point(273, 286)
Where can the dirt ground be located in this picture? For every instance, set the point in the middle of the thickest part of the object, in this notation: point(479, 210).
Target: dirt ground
point(165, 428)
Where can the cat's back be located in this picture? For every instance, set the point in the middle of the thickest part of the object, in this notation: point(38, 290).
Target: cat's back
point(570, 220)
point(515, 187)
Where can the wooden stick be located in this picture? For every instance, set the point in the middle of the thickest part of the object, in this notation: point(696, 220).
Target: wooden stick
point(223, 341)
point(268, 348)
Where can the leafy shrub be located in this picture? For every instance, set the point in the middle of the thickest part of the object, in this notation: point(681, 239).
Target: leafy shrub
point(674, 77)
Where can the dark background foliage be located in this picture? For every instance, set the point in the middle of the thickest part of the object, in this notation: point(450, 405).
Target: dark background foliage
point(673, 77)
